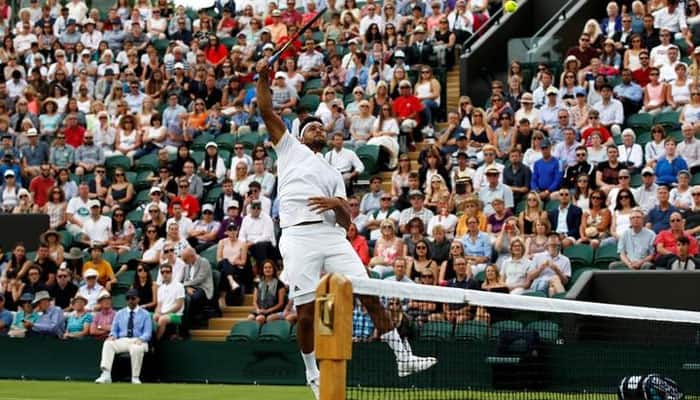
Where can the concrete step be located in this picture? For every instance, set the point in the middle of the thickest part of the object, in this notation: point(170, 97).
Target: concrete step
point(209, 335)
point(386, 186)
point(236, 311)
point(413, 155)
point(386, 175)
point(225, 323)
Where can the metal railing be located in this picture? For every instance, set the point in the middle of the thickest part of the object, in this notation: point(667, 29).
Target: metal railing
point(493, 20)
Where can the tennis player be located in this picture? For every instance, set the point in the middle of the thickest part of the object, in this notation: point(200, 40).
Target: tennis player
point(314, 215)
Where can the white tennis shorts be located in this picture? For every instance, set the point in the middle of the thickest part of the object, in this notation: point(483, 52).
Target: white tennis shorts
point(309, 250)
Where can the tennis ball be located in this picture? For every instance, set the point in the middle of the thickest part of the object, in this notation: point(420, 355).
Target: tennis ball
point(510, 6)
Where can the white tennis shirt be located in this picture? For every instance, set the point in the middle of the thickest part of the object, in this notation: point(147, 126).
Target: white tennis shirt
point(303, 174)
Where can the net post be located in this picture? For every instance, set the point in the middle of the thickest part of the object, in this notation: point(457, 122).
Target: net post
point(333, 334)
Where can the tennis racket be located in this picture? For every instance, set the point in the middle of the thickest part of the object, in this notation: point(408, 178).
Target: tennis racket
point(291, 40)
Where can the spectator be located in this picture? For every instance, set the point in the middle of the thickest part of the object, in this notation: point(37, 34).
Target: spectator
point(417, 210)
point(495, 190)
point(550, 270)
point(607, 171)
point(517, 176)
point(50, 321)
point(668, 166)
point(24, 317)
point(546, 176)
point(105, 274)
point(78, 321)
point(203, 232)
point(199, 284)
point(236, 277)
point(371, 199)
point(636, 246)
point(359, 244)
point(269, 297)
point(645, 195)
point(515, 268)
point(667, 244)
point(477, 246)
point(131, 332)
point(171, 301)
point(5, 317)
point(64, 289)
point(658, 217)
point(565, 220)
point(688, 149)
point(463, 279)
point(386, 249)
point(595, 222)
point(102, 320)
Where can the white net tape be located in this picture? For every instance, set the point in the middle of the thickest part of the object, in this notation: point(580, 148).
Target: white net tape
point(376, 287)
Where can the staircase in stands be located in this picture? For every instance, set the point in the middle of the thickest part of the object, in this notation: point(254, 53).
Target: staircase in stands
point(219, 328)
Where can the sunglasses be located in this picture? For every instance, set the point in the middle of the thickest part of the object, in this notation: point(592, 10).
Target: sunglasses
point(165, 271)
point(676, 220)
point(151, 231)
point(166, 251)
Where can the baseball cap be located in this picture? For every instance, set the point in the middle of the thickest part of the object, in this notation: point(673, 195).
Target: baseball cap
point(268, 46)
point(551, 90)
point(276, 13)
point(399, 54)
point(90, 273)
point(545, 143)
point(280, 74)
point(32, 132)
point(154, 189)
point(648, 171)
point(234, 204)
point(211, 144)
point(208, 207)
point(492, 170)
point(179, 66)
point(415, 193)
point(9, 172)
point(93, 203)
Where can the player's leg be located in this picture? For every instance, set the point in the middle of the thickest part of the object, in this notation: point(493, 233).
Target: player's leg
point(341, 258)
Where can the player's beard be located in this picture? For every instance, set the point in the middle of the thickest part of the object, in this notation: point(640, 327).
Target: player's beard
point(317, 144)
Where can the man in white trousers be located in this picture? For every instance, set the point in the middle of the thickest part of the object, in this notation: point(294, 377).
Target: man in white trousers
point(131, 332)
point(314, 216)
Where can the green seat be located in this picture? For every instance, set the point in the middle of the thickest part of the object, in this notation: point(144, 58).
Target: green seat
point(471, 331)
point(641, 122)
point(293, 333)
point(580, 255)
point(310, 101)
point(197, 156)
point(436, 331)
point(134, 216)
point(604, 255)
point(210, 255)
point(636, 181)
point(148, 162)
point(504, 326)
point(142, 197)
point(520, 207)
point(118, 161)
point(66, 240)
point(480, 276)
point(244, 331)
point(128, 256)
point(226, 156)
point(643, 137)
point(551, 205)
point(143, 180)
point(534, 293)
point(225, 141)
point(275, 331)
point(249, 140)
point(575, 275)
point(213, 194)
point(200, 141)
point(668, 120)
point(677, 135)
point(695, 180)
point(229, 42)
point(549, 331)
point(369, 155)
point(111, 258)
point(312, 84)
point(161, 46)
point(126, 278)
point(119, 301)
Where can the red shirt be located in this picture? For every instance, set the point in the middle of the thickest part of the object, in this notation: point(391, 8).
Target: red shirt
point(361, 248)
point(217, 54)
point(190, 206)
point(74, 136)
point(40, 187)
point(291, 17)
point(668, 240)
point(641, 76)
point(404, 106)
point(604, 134)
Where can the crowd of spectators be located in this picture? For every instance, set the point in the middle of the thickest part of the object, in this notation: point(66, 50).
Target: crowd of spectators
point(136, 130)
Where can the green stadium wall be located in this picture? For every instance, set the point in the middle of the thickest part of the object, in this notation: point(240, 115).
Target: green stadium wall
point(592, 367)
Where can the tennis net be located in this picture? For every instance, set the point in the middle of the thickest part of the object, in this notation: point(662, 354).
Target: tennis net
point(501, 346)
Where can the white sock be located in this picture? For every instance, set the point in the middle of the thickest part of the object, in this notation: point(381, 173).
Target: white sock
point(310, 364)
point(396, 344)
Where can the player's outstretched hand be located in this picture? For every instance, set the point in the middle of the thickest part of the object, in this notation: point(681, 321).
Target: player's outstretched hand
point(323, 204)
point(262, 66)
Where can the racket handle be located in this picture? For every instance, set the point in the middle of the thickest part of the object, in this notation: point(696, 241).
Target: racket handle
point(274, 58)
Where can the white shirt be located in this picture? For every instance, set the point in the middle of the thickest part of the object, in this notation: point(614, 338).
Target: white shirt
point(562, 227)
point(77, 11)
point(98, 230)
point(560, 260)
point(79, 209)
point(91, 41)
point(168, 295)
point(610, 113)
point(302, 174)
point(178, 274)
point(633, 155)
point(667, 72)
point(184, 225)
point(659, 55)
point(265, 204)
point(448, 222)
point(480, 181)
point(674, 22)
point(257, 230)
point(91, 295)
point(367, 21)
point(344, 160)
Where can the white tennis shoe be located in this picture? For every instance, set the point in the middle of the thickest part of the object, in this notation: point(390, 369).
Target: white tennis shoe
point(314, 385)
point(415, 364)
point(105, 378)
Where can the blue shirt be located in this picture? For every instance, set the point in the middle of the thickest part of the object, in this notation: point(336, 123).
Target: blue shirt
point(50, 323)
point(546, 175)
point(667, 171)
point(631, 92)
point(659, 220)
point(142, 324)
point(75, 324)
point(480, 247)
point(6, 319)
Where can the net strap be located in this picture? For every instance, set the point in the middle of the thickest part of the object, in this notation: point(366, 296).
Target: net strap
point(438, 294)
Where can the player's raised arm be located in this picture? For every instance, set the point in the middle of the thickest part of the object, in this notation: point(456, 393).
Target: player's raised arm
point(274, 124)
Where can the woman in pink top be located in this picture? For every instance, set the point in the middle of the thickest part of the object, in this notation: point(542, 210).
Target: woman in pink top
point(654, 94)
point(231, 254)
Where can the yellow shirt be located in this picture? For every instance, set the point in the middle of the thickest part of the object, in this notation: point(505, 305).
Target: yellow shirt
point(104, 271)
point(461, 229)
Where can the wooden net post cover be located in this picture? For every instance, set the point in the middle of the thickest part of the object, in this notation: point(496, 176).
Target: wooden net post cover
point(333, 333)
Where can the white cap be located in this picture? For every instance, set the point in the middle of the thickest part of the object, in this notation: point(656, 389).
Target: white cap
point(233, 203)
point(211, 144)
point(9, 172)
point(280, 74)
point(93, 203)
point(268, 46)
point(154, 189)
point(90, 273)
point(85, 52)
point(399, 54)
point(103, 295)
point(31, 132)
point(179, 66)
point(208, 207)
